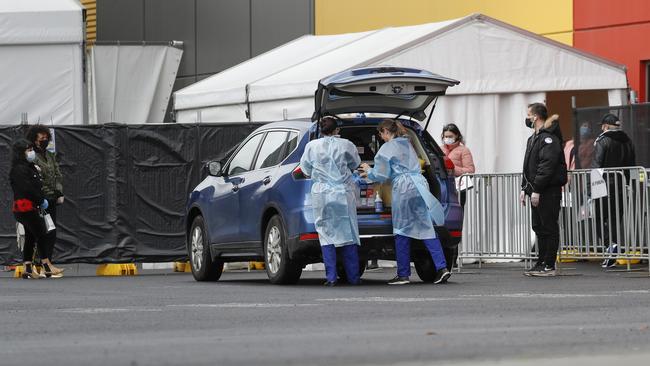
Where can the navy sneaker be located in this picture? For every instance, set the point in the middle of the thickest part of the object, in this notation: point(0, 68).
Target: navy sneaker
point(442, 276)
point(397, 280)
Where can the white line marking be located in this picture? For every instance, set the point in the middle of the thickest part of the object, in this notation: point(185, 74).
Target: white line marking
point(241, 305)
point(390, 299)
point(107, 310)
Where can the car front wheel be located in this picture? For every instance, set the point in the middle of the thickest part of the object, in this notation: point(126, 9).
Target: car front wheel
point(203, 267)
point(279, 267)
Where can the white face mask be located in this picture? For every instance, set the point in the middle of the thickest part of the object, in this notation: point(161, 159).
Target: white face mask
point(448, 141)
point(31, 156)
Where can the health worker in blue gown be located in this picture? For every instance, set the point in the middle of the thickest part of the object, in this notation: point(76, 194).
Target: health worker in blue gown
point(414, 208)
point(329, 161)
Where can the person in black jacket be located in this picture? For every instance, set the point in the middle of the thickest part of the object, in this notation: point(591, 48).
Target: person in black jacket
point(612, 149)
point(544, 175)
point(29, 200)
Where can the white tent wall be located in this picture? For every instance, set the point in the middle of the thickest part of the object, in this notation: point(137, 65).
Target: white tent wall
point(41, 71)
point(44, 81)
point(131, 83)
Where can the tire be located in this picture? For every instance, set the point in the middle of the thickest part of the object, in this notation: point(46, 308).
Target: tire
point(203, 267)
point(451, 256)
point(340, 270)
point(425, 268)
point(280, 269)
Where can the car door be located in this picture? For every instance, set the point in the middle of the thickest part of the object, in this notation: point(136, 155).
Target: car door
point(224, 208)
point(254, 191)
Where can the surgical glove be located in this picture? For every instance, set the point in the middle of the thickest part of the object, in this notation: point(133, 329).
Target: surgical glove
point(522, 198)
point(45, 205)
point(534, 199)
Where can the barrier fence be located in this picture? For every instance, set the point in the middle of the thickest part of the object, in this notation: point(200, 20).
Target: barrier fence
point(603, 215)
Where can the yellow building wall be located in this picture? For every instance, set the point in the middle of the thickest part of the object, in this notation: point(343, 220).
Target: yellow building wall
point(550, 18)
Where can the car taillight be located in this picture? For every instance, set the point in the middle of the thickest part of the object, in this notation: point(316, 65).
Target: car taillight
point(309, 236)
point(297, 174)
point(449, 165)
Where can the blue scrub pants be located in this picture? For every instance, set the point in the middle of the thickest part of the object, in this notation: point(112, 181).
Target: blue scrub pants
point(350, 262)
point(403, 254)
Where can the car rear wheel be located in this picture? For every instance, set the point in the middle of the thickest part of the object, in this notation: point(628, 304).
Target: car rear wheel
point(203, 267)
point(279, 267)
point(425, 268)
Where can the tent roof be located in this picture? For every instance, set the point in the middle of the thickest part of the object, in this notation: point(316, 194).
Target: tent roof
point(40, 22)
point(486, 55)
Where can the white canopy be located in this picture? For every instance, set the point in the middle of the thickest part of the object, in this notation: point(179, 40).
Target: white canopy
point(501, 69)
point(41, 61)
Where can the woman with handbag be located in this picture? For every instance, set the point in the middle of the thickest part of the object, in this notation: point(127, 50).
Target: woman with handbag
point(414, 208)
point(29, 203)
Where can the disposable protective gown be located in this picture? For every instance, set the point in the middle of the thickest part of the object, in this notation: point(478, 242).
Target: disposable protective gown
point(414, 208)
point(329, 162)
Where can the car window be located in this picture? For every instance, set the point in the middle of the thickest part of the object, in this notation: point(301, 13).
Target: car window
point(243, 159)
point(291, 144)
point(272, 149)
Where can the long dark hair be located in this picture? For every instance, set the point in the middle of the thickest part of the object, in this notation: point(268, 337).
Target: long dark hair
point(451, 127)
point(393, 126)
point(18, 151)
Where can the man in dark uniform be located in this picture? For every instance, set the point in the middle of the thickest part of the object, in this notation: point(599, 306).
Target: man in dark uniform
point(544, 175)
point(612, 149)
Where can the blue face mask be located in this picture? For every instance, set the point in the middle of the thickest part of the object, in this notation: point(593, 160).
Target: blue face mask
point(584, 131)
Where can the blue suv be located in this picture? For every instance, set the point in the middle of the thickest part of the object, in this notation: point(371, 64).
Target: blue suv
point(255, 204)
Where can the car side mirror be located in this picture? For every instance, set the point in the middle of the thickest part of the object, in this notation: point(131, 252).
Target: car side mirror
point(214, 168)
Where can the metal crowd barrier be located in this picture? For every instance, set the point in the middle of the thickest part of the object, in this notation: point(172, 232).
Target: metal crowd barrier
point(615, 211)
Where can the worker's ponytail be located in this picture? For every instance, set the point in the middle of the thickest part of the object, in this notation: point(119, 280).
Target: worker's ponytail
point(394, 127)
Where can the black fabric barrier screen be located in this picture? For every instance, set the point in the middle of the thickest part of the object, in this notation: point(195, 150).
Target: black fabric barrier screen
point(635, 121)
point(126, 187)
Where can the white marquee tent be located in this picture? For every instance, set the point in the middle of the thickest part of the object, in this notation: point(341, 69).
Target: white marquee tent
point(41, 61)
point(501, 68)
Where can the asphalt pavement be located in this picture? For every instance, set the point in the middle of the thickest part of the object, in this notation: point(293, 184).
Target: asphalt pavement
point(486, 316)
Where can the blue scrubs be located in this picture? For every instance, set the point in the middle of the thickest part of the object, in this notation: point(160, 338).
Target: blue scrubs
point(414, 208)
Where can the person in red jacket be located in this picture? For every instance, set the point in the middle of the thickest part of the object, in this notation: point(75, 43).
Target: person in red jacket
point(454, 148)
point(29, 200)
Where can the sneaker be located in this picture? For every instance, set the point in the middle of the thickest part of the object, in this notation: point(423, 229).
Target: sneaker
point(442, 276)
point(399, 281)
point(611, 261)
point(329, 283)
point(608, 263)
point(538, 267)
point(546, 272)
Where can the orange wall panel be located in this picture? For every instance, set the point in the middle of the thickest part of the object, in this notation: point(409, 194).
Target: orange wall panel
point(628, 45)
point(589, 14)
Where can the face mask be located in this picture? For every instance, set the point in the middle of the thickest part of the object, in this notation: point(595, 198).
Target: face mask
point(31, 156)
point(448, 140)
point(584, 131)
point(529, 122)
point(43, 144)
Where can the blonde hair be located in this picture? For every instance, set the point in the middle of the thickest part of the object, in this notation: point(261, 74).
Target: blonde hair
point(392, 126)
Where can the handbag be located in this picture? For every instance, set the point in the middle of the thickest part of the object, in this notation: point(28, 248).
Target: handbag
point(49, 223)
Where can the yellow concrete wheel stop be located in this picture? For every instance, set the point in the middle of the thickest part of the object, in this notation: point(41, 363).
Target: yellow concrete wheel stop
point(124, 269)
point(182, 267)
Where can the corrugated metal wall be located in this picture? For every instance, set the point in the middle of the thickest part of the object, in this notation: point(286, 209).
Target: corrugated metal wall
point(91, 19)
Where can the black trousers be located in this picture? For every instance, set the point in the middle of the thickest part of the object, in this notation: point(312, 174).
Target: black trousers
point(545, 219)
point(35, 236)
point(51, 209)
point(610, 217)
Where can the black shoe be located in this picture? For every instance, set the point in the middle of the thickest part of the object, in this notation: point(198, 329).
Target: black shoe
point(330, 283)
point(29, 273)
point(442, 276)
point(397, 280)
point(608, 263)
point(538, 267)
point(548, 271)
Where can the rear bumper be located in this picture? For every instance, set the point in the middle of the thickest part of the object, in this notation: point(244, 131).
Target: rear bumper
point(377, 242)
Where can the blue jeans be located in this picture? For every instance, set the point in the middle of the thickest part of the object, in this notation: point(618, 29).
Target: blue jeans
point(403, 254)
point(350, 262)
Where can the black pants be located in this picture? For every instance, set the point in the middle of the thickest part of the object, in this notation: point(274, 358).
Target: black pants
point(545, 224)
point(35, 236)
point(609, 217)
point(51, 209)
